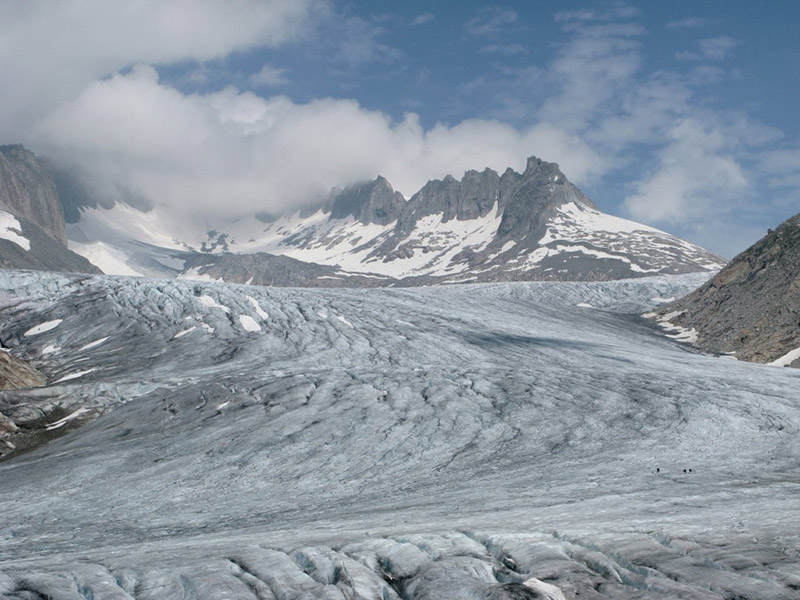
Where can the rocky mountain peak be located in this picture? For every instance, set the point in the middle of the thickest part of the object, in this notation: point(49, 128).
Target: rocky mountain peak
point(533, 198)
point(27, 190)
point(369, 202)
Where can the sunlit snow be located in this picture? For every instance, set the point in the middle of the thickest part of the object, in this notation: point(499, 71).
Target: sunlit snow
point(43, 327)
point(249, 323)
point(11, 230)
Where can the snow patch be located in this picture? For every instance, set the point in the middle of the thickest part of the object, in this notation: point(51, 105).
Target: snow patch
point(786, 359)
point(46, 326)
point(67, 419)
point(93, 344)
point(345, 321)
point(10, 229)
point(194, 274)
point(50, 349)
point(180, 334)
point(107, 258)
point(546, 590)
point(264, 315)
point(74, 375)
point(211, 303)
point(249, 323)
point(676, 332)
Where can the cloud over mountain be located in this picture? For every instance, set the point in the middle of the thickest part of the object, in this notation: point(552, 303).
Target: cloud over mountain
point(176, 103)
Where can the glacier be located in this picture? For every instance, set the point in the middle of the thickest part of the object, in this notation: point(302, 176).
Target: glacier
point(512, 440)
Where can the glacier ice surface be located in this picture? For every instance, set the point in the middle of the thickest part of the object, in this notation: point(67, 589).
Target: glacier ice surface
point(478, 441)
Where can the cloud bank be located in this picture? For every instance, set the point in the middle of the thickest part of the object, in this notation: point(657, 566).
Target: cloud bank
point(232, 153)
point(86, 91)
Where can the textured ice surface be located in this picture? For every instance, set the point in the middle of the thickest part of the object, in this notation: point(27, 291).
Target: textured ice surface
point(449, 442)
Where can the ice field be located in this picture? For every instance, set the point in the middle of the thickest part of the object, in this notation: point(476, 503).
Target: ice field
point(523, 440)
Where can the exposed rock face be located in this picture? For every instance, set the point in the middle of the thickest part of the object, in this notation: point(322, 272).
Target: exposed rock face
point(752, 307)
point(371, 202)
point(16, 374)
point(36, 249)
point(27, 190)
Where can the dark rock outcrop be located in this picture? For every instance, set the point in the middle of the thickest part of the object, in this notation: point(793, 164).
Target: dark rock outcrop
point(752, 307)
point(531, 200)
point(27, 190)
point(16, 374)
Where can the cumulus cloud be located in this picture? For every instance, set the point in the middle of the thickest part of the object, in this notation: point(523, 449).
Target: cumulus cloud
point(696, 176)
point(87, 92)
point(232, 153)
point(49, 51)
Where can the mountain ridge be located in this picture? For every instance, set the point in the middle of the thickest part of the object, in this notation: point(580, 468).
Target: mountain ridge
point(484, 227)
point(534, 225)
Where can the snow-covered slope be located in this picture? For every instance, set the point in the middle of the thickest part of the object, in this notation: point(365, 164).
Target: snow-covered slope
point(486, 227)
point(443, 442)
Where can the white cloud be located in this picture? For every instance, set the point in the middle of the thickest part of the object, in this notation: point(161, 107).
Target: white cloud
point(782, 168)
point(597, 65)
point(423, 19)
point(688, 23)
point(85, 90)
point(696, 176)
point(232, 153)
point(355, 41)
point(50, 50)
point(716, 48)
point(506, 49)
point(614, 11)
point(491, 21)
point(268, 76)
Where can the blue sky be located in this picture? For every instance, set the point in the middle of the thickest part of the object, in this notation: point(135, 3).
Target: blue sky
point(681, 115)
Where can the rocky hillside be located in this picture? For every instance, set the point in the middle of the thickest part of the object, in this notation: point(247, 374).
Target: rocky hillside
point(16, 373)
point(751, 309)
point(32, 229)
point(25, 245)
point(27, 190)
